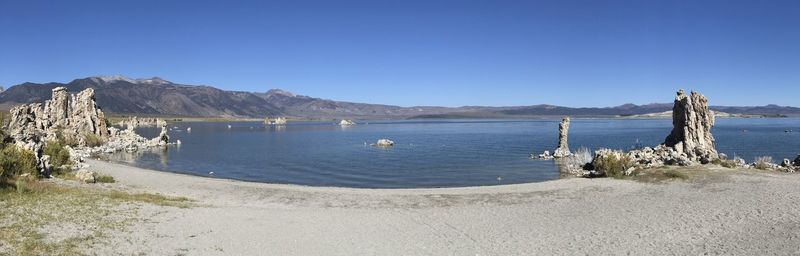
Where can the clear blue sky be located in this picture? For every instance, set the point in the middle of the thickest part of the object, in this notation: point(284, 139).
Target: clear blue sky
point(451, 53)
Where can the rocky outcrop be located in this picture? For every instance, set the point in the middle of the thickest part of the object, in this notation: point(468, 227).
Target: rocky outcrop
point(345, 122)
point(276, 121)
point(75, 118)
point(163, 138)
point(544, 155)
point(136, 122)
point(563, 146)
point(690, 141)
point(123, 140)
point(691, 132)
point(796, 161)
point(71, 116)
point(85, 176)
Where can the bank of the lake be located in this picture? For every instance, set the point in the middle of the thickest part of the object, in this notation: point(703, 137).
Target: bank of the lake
point(716, 211)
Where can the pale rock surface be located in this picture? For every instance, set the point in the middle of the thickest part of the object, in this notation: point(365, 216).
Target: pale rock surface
point(384, 143)
point(786, 163)
point(135, 122)
point(563, 146)
point(276, 121)
point(544, 155)
point(692, 122)
point(85, 176)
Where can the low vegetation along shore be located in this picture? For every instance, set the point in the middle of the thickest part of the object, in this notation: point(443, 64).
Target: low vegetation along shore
point(680, 197)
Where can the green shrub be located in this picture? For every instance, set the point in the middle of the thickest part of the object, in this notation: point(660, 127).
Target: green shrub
point(93, 140)
point(65, 140)
point(15, 161)
point(59, 155)
point(612, 164)
point(104, 179)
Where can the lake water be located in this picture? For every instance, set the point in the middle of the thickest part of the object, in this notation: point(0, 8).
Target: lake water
point(444, 153)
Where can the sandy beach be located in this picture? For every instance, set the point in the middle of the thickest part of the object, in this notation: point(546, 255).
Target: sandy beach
point(719, 211)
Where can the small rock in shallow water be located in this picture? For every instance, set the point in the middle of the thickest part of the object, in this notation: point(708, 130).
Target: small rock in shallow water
point(384, 143)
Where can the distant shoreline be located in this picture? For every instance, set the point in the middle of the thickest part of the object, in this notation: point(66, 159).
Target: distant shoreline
point(116, 118)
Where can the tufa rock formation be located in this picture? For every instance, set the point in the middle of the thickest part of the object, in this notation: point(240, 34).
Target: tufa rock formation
point(163, 138)
point(563, 145)
point(690, 141)
point(276, 121)
point(384, 143)
point(74, 116)
point(345, 122)
point(691, 131)
point(135, 122)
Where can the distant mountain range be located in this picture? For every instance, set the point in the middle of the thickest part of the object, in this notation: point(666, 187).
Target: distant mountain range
point(158, 97)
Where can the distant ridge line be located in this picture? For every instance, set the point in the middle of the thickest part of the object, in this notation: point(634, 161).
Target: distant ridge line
point(159, 97)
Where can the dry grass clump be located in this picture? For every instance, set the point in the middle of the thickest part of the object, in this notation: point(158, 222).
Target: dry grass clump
point(579, 158)
point(731, 164)
point(613, 164)
point(42, 218)
point(674, 174)
point(763, 162)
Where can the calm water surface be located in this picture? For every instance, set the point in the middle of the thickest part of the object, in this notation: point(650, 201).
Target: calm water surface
point(428, 153)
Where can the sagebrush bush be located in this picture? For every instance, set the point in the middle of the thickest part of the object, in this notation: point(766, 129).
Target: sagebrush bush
point(59, 155)
point(763, 162)
point(15, 161)
point(104, 179)
point(612, 164)
point(92, 140)
point(65, 140)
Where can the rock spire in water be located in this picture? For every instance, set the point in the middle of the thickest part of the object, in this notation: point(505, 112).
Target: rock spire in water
point(563, 145)
point(691, 131)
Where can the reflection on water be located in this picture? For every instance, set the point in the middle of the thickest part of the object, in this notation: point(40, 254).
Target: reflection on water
point(146, 154)
point(438, 153)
